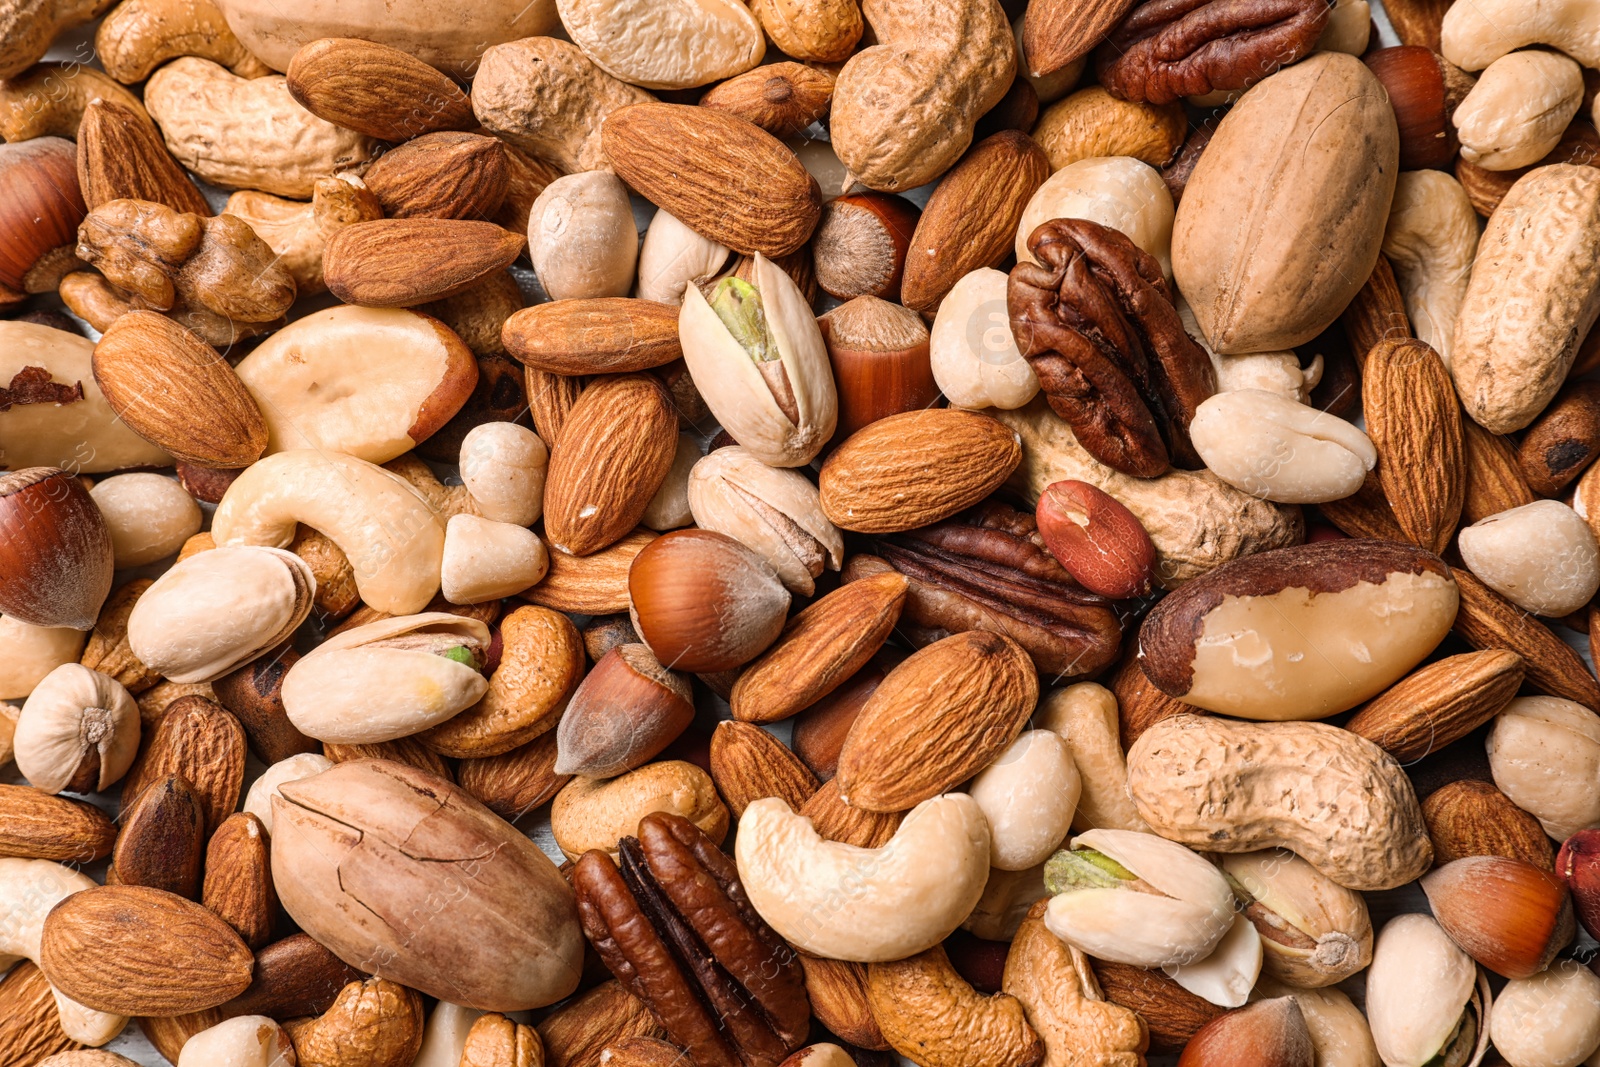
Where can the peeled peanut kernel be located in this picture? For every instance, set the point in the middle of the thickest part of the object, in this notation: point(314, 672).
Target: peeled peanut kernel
point(150, 517)
point(486, 560)
point(1518, 110)
point(1542, 557)
point(503, 467)
point(1272, 447)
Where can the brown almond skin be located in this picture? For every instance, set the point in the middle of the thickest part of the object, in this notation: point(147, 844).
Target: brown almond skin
point(1414, 421)
point(1172, 1013)
point(376, 90)
point(162, 844)
point(781, 98)
point(238, 885)
point(30, 1025)
point(837, 821)
point(513, 784)
point(404, 262)
point(122, 157)
point(204, 744)
point(838, 992)
point(820, 730)
point(1439, 703)
point(408, 750)
point(254, 693)
point(445, 175)
point(820, 649)
point(36, 825)
point(1563, 441)
point(747, 764)
point(1488, 620)
point(596, 584)
point(1473, 818)
point(291, 978)
point(971, 218)
point(604, 335)
point(1495, 481)
point(1378, 312)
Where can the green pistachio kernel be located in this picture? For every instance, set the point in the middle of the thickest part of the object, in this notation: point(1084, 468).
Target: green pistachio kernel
point(1084, 869)
point(738, 304)
point(461, 654)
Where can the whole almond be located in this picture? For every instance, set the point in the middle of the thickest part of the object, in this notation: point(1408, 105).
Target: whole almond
point(162, 843)
point(605, 335)
point(403, 262)
point(1495, 481)
point(612, 456)
point(132, 950)
point(1056, 32)
point(238, 884)
point(725, 178)
point(590, 585)
point(1366, 512)
point(781, 98)
point(1440, 703)
point(915, 469)
point(936, 720)
point(971, 218)
point(1487, 620)
point(30, 1024)
point(1140, 705)
point(514, 783)
point(838, 992)
point(1172, 1013)
point(551, 398)
point(747, 764)
point(122, 157)
point(1414, 420)
point(820, 730)
point(1378, 312)
point(376, 90)
point(820, 649)
point(168, 1034)
point(36, 825)
point(203, 744)
point(176, 392)
point(107, 650)
point(835, 820)
point(1473, 818)
point(445, 175)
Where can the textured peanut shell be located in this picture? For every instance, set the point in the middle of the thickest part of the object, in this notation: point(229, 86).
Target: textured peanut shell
point(1335, 799)
point(1534, 293)
point(1282, 220)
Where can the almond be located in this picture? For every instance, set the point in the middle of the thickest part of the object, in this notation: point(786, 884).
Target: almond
point(1140, 705)
point(971, 218)
point(122, 157)
point(610, 459)
point(1495, 481)
point(590, 585)
point(747, 764)
point(915, 469)
point(1414, 420)
point(441, 176)
point(551, 398)
point(132, 950)
point(403, 262)
point(200, 742)
point(781, 98)
point(1439, 703)
point(578, 1031)
point(408, 750)
point(1473, 818)
point(516, 782)
point(176, 392)
point(1378, 312)
point(168, 1034)
point(292, 977)
point(1056, 32)
point(36, 825)
point(1365, 513)
point(161, 843)
point(376, 90)
point(605, 335)
point(1172, 1013)
point(1488, 620)
point(835, 820)
point(820, 649)
point(723, 177)
point(937, 719)
point(238, 884)
point(30, 1025)
point(838, 992)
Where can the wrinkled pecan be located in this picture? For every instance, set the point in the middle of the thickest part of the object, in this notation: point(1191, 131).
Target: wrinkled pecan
point(989, 571)
point(1166, 49)
point(675, 927)
point(1097, 323)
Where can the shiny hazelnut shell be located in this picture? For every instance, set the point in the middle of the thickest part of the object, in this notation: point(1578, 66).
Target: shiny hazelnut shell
point(56, 558)
point(703, 602)
point(40, 206)
point(1509, 915)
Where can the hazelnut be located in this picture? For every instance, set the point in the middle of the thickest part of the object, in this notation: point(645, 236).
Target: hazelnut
point(622, 715)
point(861, 245)
point(1578, 864)
point(56, 555)
point(40, 208)
point(1271, 1033)
point(880, 358)
point(1507, 914)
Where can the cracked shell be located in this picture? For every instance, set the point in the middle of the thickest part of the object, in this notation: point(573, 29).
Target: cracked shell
point(406, 876)
point(774, 511)
point(1314, 931)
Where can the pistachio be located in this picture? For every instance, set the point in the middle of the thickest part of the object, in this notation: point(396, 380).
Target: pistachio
point(218, 610)
point(78, 731)
point(388, 679)
point(758, 358)
point(1225, 977)
point(1136, 898)
point(1427, 1002)
point(775, 512)
point(1314, 931)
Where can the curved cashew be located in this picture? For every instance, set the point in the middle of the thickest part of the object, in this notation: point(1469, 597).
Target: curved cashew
point(297, 231)
point(1474, 35)
point(30, 889)
point(865, 905)
point(928, 1011)
point(140, 35)
point(1516, 113)
point(48, 101)
point(394, 540)
point(1431, 241)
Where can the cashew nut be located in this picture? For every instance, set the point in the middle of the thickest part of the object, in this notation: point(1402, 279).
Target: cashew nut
point(140, 35)
point(1518, 110)
point(394, 540)
point(673, 44)
point(29, 27)
point(1085, 714)
point(581, 237)
point(49, 100)
point(1431, 241)
point(31, 888)
point(865, 905)
point(675, 257)
point(245, 1041)
point(1115, 191)
point(1091, 122)
point(297, 232)
point(1474, 35)
point(1272, 372)
point(247, 133)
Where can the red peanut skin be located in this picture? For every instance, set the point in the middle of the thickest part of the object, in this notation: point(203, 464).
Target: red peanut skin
point(1098, 540)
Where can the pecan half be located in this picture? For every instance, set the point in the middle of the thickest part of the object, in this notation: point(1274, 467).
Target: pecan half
point(1096, 322)
point(675, 927)
point(1166, 49)
point(989, 571)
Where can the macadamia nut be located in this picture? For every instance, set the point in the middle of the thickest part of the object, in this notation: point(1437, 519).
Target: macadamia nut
point(1550, 1019)
point(581, 237)
point(1029, 795)
point(503, 467)
point(1272, 447)
point(1115, 191)
point(1542, 557)
point(1519, 109)
point(150, 516)
point(486, 560)
point(975, 359)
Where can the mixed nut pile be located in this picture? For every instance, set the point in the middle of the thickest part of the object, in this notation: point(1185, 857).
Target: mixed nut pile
point(1135, 619)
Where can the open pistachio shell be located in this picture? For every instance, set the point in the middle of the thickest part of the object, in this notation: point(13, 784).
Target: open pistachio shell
point(220, 609)
point(1315, 932)
point(1225, 977)
point(776, 512)
point(738, 393)
point(387, 679)
point(1425, 997)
